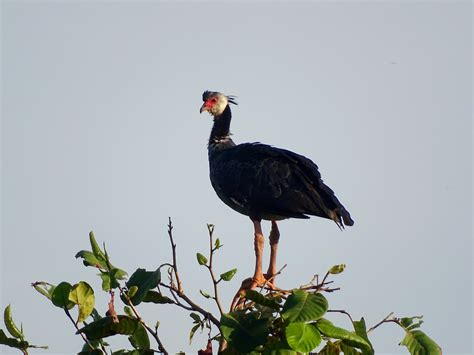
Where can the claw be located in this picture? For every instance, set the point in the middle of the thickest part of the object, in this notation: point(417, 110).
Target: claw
point(248, 284)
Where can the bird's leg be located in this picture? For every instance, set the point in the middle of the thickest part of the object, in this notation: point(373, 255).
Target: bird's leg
point(259, 240)
point(258, 279)
point(274, 238)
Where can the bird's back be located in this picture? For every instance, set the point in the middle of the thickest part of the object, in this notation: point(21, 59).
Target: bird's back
point(265, 182)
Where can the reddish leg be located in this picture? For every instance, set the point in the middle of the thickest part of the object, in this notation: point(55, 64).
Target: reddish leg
point(259, 240)
point(274, 238)
point(258, 278)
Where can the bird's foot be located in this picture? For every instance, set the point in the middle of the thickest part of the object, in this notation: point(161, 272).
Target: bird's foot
point(251, 283)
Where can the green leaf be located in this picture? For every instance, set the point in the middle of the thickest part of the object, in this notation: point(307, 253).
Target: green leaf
point(119, 274)
point(92, 348)
point(128, 311)
point(95, 247)
point(12, 342)
point(228, 275)
point(60, 296)
point(260, 299)
point(82, 294)
point(144, 281)
point(418, 343)
point(410, 323)
point(109, 277)
point(99, 259)
point(331, 348)
point(193, 330)
point(105, 280)
point(217, 244)
point(202, 260)
point(156, 297)
point(89, 259)
point(302, 337)
point(132, 291)
point(331, 331)
point(106, 327)
point(95, 315)
point(337, 269)
point(204, 294)
point(302, 306)
point(10, 324)
point(45, 288)
point(278, 346)
point(361, 330)
point(348, 350)
point(195, 317)
point(244, 332)
point(115, 275)
point(406, 321)
point(139, 339)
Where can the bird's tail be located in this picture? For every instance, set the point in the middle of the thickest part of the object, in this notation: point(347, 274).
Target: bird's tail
point(346, 217)
point(342, 217)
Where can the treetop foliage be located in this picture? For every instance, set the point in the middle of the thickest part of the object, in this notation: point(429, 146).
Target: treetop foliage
point(266, 321)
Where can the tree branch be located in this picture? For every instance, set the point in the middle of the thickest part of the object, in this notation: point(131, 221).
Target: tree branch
point(210, 228)
point(193, 306)
point(173, 248)
point(154, 333)
point(77, 328)
point(177, 290)
point(387, 319)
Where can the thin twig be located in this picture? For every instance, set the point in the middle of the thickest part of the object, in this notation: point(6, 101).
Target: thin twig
point(193, 306)
point(173, 294)
point(199, 309)
point(385, 320)
point(77, 328)
point(154, 333)
point(272, 277)
point(165, 264)
point(324, 279)
point(319, 287)
point(311, 282)
point(210, 228)
point(176, 300)
point(173, 248)
point(341, 311)
point(38, 346)
point(178, 289)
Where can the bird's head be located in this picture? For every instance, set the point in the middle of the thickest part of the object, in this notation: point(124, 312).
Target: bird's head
point(215, 102)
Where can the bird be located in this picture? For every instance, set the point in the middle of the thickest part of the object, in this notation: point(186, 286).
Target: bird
point(265, 183)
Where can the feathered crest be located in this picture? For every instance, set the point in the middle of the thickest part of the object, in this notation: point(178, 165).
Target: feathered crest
point(231, 99)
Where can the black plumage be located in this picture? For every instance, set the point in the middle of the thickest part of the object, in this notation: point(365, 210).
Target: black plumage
point(264, 182)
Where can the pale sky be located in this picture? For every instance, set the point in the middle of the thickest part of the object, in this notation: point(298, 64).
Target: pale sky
point(101, 130)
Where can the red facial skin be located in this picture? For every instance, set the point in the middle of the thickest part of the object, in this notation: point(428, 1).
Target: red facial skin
point(208, 105)
point(210, 102)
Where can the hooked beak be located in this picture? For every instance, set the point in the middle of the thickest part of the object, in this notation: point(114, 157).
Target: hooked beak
point(203, 108)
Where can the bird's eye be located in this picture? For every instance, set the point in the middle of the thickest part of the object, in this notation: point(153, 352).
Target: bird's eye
point(214, 100)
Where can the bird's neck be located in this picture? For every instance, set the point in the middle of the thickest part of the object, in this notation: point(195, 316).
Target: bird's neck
point(220, 135)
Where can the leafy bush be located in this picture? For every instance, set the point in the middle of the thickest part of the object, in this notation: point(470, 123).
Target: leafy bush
point(268, 321)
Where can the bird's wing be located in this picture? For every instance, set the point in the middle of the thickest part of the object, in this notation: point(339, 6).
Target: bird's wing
point(276, 181)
